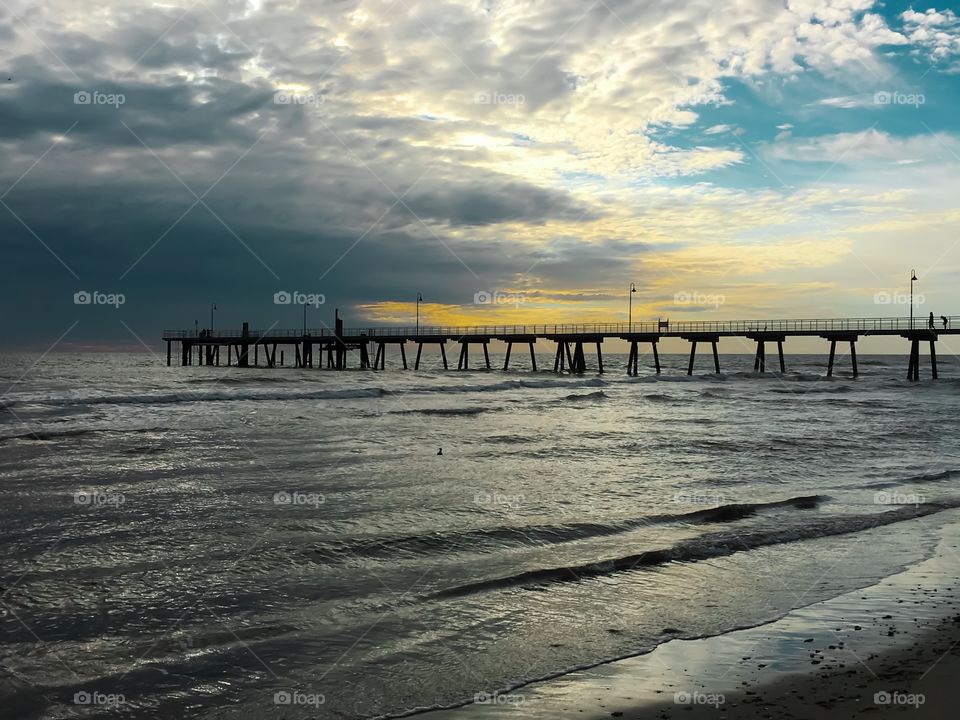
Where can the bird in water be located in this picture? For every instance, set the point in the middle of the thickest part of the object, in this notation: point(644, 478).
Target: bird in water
point(440, 451)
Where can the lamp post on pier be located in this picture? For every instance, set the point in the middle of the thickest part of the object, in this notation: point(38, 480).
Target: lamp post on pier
point(419, 300)
point(213, 306)
point(913, 279)
point(633, 289)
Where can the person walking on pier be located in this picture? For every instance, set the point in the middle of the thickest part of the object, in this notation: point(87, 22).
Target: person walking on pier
point(944, 319)
point(931, 323)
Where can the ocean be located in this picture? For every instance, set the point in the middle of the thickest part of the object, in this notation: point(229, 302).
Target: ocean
point(258, 543)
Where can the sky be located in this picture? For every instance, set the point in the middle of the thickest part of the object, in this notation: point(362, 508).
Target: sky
point(514, 162)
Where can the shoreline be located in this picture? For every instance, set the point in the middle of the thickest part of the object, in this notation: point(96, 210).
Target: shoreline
point(900, 636)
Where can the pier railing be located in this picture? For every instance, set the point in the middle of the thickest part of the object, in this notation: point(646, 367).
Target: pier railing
point(657, 327)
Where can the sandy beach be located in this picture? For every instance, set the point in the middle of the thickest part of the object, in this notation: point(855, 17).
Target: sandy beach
point(882, 651)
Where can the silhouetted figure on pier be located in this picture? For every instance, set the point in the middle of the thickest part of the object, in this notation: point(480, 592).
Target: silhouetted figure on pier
point(931, 323)
point(944, 319)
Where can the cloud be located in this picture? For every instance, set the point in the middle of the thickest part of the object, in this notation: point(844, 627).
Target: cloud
point(873, 146)
point(936, 32)
point(717, 129)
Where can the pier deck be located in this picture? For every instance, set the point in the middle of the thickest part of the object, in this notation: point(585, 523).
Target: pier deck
point(570, 341)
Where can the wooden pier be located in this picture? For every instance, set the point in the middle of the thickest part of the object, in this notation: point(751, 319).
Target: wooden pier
point(572, 342)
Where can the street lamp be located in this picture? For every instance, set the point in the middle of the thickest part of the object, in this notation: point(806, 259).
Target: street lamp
point(913, 279)
point(419, 300)
point(633, 289)
point(213, 306)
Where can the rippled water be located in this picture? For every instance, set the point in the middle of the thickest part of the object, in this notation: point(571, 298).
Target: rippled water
point(208, 542)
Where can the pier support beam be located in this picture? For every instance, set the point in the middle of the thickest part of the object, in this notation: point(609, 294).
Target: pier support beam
point(506, 358)
point(933, 359)
point(633, 359)
point(486, 356)
point(168, 353)
point(783, 366)
point(579, 364)
point(599, 358)
point(533, 358)
point(760, 361)
point(716, 357)
point(693, 354)
point(463, 363)
point(443, 354)
point(834, 338)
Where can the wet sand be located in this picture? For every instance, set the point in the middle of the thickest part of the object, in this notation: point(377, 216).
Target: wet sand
point(889, 650)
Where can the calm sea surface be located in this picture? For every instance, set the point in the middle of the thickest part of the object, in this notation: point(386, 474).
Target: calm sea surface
point(216, 542)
